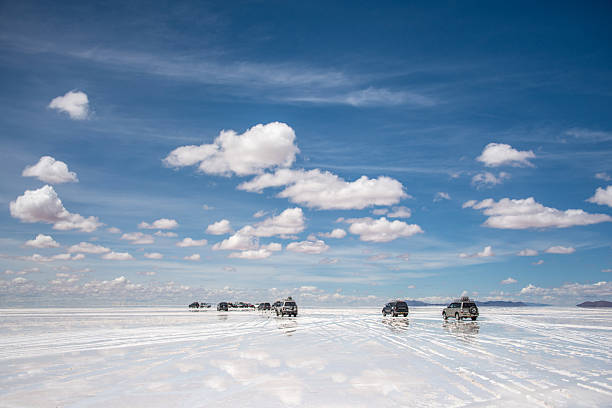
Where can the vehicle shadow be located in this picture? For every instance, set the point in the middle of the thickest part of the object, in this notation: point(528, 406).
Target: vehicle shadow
point(222, 317)
point(465, 331)
point(396, 325)
point(288, 325)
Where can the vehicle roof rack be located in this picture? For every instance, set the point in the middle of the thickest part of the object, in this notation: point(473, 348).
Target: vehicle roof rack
point(464, 298)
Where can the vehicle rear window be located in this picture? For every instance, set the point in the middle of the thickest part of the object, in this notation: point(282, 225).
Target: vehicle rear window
point(401, 304)
point(289, 303)
point(468, 305)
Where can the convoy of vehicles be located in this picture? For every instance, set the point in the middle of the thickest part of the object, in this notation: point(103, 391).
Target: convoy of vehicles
point(462, 308)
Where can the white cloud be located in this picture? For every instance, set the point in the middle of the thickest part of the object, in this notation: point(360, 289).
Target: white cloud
point(598, 289)
point(381, 230)
point(404, 257)
point(337, 233)
point(167, 234)
point(606, 270)
point(487, 179)
point(138, 238)
point(118, 256)
point(527, 213)
point(290, 221)
point(147, 273)
point(486, 252)
point(596, 135)
point(602, 197)
point(378, 257)
point(560, 250)
point(399, 212)
point(88, 248)
point(58, 257)
point(43, 205)
point(161, 224)
point(308, 247)
point(188, 242)
point(370, 97)
point(603, 176)
point(273, 247)
point(260, 253)
point(325, 190)
point(527, 252)
point(114, 230)
point(50, 171)
point(329, 261)
point(260, 213)
point(219, 228)
point(74, 103)
point(42, 241)
point(380, 211)
point(508, 281)
point(441, 195)
point(229, 269)
point(540, 262)
point(153, 255)
point(194, 257)
point(207, 207)
point(260, 147)
point(469, 204)
point(500, 154)
point(242, 240)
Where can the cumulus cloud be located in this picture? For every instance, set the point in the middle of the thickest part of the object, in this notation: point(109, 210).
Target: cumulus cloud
point(194, 257)
point(88, 248)
point(153, 255)
point(260, 147)
point(138, 238)
point(42, 241)
point(260, 213)
point(603, 176)
point(188, 242)
point(487, 179)
point(167, 234)
point(273, 247)
point(50, 171)
point(486, 252)
point(335, 233)
point(58, 257)
point(242, 240)
point(114, 230)
point(588, 290)
point(527, 252)
point(308, 247)
point(500, 154)
point(326, 191)
point(399, 212)
point(381, 230)
point(43, 205)
point(291, 221)
point(118, 256)
point(74, 103)
point(508, 281)
point(260, 253)
point(560, 250)
point(161, 224)
point(602, 197)
point(441, 195)
point(219, 228)
point(527, 213)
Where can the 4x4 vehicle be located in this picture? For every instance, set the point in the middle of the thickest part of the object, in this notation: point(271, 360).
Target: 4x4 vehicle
point(286, 307)
point(462, 308)
point(263, 306)
point(223, 306)
point(395, 308)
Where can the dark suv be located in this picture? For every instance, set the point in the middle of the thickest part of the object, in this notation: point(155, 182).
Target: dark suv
point(223, 306)
point(263, 306)
point(395, 308)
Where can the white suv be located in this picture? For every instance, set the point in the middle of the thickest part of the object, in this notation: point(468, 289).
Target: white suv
point(461, 309)
point(286, 307)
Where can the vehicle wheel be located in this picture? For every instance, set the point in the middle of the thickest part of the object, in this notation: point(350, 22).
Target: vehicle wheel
point(394, 314)
point(457, 316)
point(384, 314)
point(474, 318)
point(277, 312)
point(405, 314)
point(444, 316)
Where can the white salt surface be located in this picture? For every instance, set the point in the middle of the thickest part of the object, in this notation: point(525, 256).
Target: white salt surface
point(164, 357)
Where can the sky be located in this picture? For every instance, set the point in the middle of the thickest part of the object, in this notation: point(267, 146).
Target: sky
point(345, 154)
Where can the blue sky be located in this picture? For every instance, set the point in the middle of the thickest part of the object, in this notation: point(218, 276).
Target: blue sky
point(448, 145)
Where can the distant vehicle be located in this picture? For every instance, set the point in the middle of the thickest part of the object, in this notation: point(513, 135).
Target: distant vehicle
point(264, 306)
point(276, 304)
point(194, 305)
point(462, 308)
point(199, 305)
point(222, 307)
point(286, 307)
point(396, 308)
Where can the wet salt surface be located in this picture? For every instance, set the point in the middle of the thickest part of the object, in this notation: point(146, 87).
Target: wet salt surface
point(167, 357)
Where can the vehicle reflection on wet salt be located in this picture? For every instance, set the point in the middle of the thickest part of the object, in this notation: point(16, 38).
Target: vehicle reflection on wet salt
point(396, 325)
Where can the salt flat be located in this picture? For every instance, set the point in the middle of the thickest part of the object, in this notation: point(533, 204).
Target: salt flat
point(170, 357)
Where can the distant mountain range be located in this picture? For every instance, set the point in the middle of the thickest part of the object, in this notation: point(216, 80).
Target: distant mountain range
point(599, 303)
point(499, 303)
